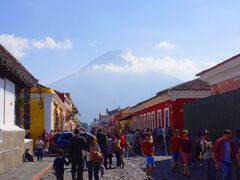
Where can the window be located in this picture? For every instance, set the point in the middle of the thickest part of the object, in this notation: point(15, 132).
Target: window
point(153, 120)
point(145, 121)
point(166, 117)
point(159, 116)
point(149, 120)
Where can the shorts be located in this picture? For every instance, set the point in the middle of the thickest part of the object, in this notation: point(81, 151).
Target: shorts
point(186, 158)
point(176, 156)
point(149, 161)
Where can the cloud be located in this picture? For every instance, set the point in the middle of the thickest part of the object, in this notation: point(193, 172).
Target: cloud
point(50, 43)
point(16, 45)
point(183, 69)
point(165, 45)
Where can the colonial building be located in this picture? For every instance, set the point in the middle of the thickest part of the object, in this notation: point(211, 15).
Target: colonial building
point(48, 111)
point(223, 77)
point(125, 119)
point(15, 84)
point(166, 108)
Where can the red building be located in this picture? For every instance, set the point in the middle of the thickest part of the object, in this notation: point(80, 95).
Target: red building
point(223, 77)
point(167, 107)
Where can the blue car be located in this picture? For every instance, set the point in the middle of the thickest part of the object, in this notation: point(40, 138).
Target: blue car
point(62, 140)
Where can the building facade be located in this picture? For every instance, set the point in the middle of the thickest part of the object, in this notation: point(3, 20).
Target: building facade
point(223, 77)
point(48, 111)
point(15, 84)
point(166, 109)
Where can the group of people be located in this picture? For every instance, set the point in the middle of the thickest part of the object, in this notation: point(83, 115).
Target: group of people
point(97, 151)
point(94, 151)
point(44, 143)
point(223, 154)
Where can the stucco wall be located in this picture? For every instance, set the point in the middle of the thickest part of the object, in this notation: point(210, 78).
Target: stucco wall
point(9, 104)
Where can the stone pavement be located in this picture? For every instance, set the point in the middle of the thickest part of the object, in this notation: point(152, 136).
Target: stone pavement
point(28, 170)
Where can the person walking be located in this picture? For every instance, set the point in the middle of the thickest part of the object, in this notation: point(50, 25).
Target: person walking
point(129, 139)
point(58, 165)
point(175, 149)
point(94, 159)
point(39, 148)
point(206, 156)
point(185, 152)
point(224, 153)
point(159, 137)
point(148, 151)
point(110, 150)
point(76, 146)
point(102, 142)
point(118, 149)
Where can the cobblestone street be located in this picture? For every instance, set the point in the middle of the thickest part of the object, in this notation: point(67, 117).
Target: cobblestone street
point(134, 170)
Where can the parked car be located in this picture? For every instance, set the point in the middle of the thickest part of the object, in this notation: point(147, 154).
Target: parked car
point(62, 140)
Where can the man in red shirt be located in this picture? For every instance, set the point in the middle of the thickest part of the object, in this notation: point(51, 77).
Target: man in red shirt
point(175, 148)
point(124, 144)
point(148, 151)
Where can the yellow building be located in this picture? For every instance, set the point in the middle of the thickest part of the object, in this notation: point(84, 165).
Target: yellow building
point(125, 119)
point(47, 111)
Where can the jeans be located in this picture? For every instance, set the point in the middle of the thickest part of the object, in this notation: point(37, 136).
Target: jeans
point(226, 169)
point(59, 176)
point(103, 149)
point(109, 157)
point(209, 167)
point(118, 158)
point(77, 166)
point(39, 154)
point(93, 169)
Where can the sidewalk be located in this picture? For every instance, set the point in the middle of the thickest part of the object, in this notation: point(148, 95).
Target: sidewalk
point(28, 171)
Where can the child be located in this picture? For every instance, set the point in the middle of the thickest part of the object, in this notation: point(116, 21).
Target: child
point(58, 165)
point(148, 150)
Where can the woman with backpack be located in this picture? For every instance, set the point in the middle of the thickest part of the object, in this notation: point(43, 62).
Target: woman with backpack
point(94, 158)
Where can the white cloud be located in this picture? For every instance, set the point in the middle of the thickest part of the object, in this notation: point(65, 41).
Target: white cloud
point(184, 69)
point(165, 45)
point(16, 45)
point(50, 43)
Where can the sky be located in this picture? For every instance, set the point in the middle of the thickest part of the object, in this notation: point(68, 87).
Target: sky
point(58, 37)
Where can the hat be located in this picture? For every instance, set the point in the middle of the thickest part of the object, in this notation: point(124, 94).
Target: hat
point(205, 131)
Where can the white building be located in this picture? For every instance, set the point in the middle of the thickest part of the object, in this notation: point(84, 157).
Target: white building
point(14, 80)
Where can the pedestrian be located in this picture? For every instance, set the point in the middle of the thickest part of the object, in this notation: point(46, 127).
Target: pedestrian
point(45, 137)
point(206, 156)
point(224, 153)
point(129, 141)
point(110, 150)
point(124, 145)
point(236, 142)
point(94, 159)
point(148, 151)
point(175, 149)
point(50, 141)
point(137, 146)
point(159, 137)
point(58, 165)
point(39, 148)
point(118, 149)
point(185, 152)
point(102, 142)
point(76, 146)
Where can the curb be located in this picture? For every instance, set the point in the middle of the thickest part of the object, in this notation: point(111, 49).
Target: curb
point(42, 173)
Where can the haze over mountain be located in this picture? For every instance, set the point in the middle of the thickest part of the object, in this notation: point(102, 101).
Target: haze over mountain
point(114, 79)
